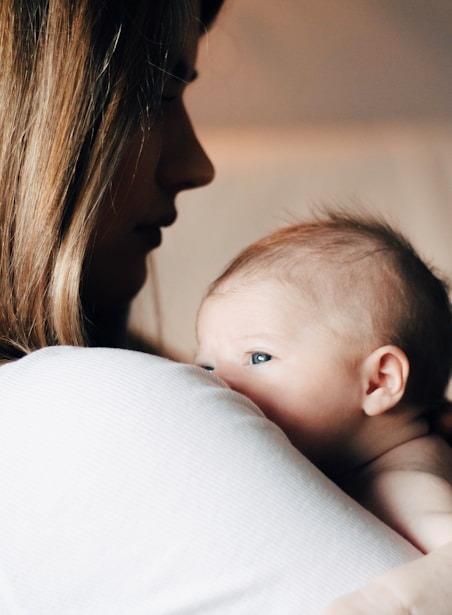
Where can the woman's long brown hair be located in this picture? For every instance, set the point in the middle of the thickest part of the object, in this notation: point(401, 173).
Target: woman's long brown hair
point(76, 80)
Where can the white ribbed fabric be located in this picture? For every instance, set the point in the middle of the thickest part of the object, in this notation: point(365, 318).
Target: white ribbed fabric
point(132, 485)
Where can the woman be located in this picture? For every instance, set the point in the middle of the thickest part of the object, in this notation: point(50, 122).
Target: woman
point(82, 84)
point(131, 484)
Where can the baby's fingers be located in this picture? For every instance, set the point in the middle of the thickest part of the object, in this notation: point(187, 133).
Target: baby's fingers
point(370, 600)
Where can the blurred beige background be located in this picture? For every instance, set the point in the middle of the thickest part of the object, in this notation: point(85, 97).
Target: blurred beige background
point(308, 102)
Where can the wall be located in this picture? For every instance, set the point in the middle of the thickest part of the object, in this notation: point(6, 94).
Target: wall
point(318, 102)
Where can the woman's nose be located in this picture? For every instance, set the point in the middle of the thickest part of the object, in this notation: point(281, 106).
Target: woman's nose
point(183, 162)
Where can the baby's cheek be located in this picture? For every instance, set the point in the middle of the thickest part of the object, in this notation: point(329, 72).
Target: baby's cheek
point(269, 401)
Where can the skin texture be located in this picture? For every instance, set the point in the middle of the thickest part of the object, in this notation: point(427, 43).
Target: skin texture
point(160, 162)
point(266, 341)
point(421, 587)
point(295, 354)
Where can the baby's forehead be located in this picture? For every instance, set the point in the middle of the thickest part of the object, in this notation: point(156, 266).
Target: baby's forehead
point(245, 284)
point(329, 285)
point(262, 299)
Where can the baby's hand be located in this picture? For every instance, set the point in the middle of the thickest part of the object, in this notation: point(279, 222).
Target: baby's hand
point(371, 600)
point(422, 586)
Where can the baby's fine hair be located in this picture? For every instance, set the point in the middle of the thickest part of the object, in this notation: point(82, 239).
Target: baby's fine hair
point(359, 267)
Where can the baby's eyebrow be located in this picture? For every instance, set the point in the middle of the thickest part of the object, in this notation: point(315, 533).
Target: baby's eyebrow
point(257, 337)
point(263, 337)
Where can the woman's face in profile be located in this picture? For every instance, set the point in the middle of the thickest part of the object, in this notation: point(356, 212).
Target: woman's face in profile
point(159, 163)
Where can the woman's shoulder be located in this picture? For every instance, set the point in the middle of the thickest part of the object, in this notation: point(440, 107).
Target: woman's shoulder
point(79, 371)
point(84, 360)
point(112, 366)
point(112, 382)
point(146, 486)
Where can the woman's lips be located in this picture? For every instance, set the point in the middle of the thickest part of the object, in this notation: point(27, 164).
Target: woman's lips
point(150, 234)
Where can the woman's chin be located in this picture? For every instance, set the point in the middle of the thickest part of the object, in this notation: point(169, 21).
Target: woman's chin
point(129, 288)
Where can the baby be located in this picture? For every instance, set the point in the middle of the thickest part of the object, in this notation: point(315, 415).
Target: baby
point(342, 335)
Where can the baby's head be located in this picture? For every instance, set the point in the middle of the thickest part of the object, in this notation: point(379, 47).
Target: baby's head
point(295, 317)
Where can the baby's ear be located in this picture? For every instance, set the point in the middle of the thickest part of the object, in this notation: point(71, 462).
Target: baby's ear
point(385, 373)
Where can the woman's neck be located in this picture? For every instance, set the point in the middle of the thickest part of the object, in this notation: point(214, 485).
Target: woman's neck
point(109, 329)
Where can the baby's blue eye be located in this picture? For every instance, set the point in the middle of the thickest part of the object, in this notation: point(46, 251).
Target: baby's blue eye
point(260, 357)
point(209, 368)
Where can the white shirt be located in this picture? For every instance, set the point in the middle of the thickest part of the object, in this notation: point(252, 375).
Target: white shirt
point(133, 485)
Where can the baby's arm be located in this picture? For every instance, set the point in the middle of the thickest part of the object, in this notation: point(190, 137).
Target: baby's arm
point(422, 587)
point(417, 502)
point(410, 489)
